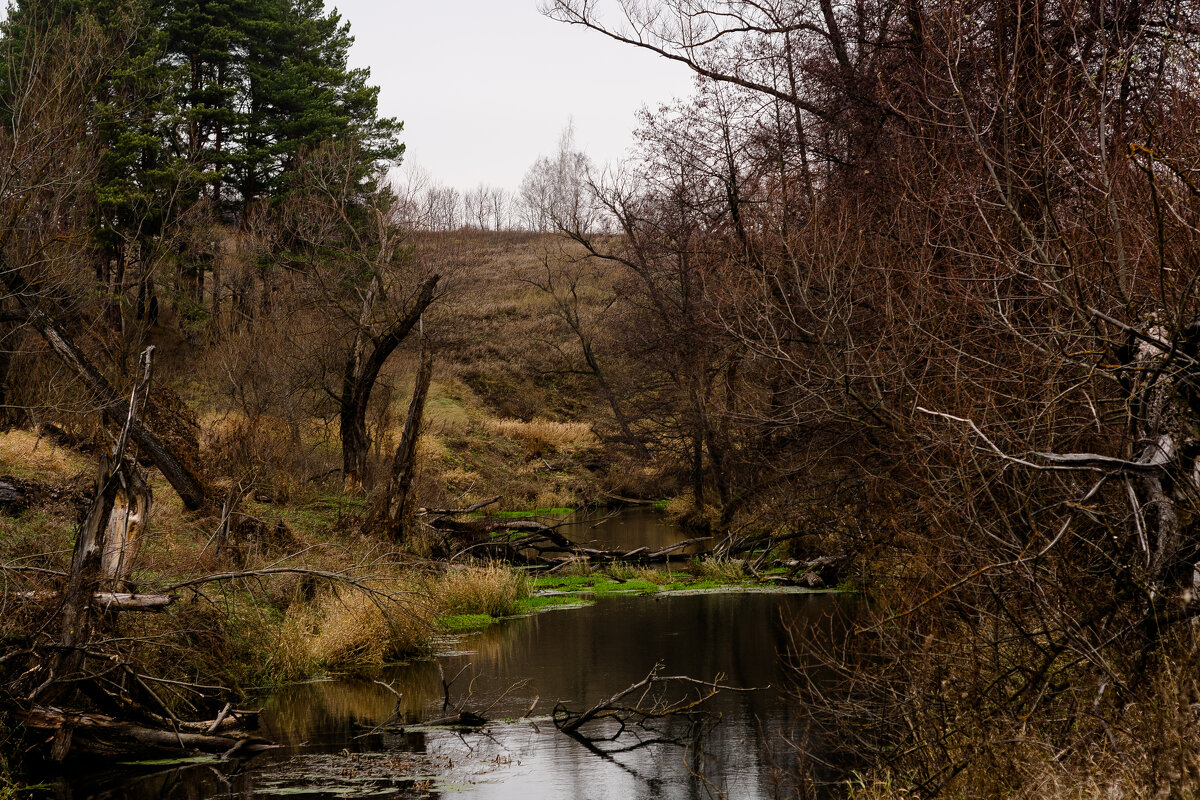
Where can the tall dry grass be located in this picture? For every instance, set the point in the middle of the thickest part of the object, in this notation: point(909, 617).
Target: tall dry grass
point(540, 436)
point(349, 629)
point(494, 589)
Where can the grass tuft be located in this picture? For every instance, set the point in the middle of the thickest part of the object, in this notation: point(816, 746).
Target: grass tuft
point(350, 630)
point(719, 570)
point(495, 590)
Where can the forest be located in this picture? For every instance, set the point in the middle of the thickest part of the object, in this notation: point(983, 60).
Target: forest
point(903, 301)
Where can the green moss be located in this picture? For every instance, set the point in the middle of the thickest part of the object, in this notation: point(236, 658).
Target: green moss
point(466, 622)
point(650, 582)
point(567, 583)
point(532, 605)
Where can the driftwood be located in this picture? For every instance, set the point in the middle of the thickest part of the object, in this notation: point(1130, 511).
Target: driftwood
point(463, 719)
point(652, 707)
point(644, 701)
point(100, 734)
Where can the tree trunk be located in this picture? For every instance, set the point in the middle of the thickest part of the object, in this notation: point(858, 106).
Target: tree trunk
point(84, 581)
point(396, 501)
point(129, 520)
point(366, 359)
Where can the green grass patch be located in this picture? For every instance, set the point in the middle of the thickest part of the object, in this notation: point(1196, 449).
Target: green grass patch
point(567, 583)
point(646, 582)
point(466, 622)
point(532, 605)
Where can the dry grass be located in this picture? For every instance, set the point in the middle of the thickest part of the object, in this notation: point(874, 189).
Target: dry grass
point(579, 567)
point(25, 455)
point(495, 590)
point(542, 436)
point(712, 568)
point(348, 629)
point(629, 572)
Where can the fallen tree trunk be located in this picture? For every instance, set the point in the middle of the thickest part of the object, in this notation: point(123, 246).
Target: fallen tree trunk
point(77, 733)
point(12, 497)
point(533, 542)
point(115, 601)
point(189, 487)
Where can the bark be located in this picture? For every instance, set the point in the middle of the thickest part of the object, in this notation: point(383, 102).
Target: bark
point(12, 497)
point(1160, 426)
point(98, 734)
point(116, 601)
point(366, 359)
point(128, 521)
point(83, 582)
point(397, 500)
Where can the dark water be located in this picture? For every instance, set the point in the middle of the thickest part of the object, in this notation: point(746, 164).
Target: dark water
point(625, 530)
point(355, 739)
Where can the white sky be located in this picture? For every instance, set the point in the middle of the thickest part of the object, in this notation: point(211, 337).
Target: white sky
point(486, 86)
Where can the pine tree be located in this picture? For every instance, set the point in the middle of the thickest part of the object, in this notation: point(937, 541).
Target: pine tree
point(301, 93)
point(136, 179)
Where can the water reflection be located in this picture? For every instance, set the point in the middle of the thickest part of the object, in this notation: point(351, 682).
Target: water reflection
point(355, 737)
point(626, 530)
point(579, 658)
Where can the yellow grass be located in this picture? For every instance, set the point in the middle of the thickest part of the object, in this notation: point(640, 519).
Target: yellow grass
point(23, 454)
point(495, 590)
point(349, 629)
point(540, 435)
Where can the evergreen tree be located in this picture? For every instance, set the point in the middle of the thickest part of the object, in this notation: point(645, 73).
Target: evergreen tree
point(136, 178)
point(301, 93)
point(266, 80)
point(206, 40)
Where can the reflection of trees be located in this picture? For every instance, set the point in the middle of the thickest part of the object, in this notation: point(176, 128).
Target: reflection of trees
point(578, 656)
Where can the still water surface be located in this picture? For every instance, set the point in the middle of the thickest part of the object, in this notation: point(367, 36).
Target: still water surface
point(355, 739)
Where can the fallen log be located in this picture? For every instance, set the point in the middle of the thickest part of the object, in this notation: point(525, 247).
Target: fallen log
point(79, 733)
point(464, 719)
point(109, 601)
point(468, 510)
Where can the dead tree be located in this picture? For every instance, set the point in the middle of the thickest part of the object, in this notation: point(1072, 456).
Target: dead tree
point(395, 507)
point(105, 547)
point(190, 487)
point(369, 353)
point(645, 708)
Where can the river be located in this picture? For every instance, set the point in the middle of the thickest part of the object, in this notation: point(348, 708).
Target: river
point(354, 738)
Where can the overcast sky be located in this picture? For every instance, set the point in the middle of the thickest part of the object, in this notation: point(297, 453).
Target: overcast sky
point(486, 86)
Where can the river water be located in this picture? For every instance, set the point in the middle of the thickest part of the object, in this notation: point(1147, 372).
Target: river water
point(356, 739)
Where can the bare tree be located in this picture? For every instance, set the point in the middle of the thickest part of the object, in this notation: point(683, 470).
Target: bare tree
point(352, 246)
